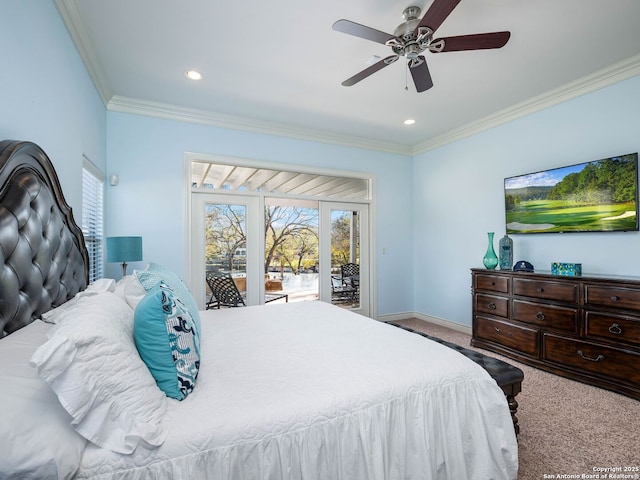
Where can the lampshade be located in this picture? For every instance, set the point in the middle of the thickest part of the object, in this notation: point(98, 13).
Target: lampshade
point(124, 249)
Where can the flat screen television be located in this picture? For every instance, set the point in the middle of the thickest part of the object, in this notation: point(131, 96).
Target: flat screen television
point(597, 196)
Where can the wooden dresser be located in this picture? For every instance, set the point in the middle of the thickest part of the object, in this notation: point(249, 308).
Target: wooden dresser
point(584, 328)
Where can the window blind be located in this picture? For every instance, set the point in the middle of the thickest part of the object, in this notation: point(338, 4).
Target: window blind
point(92, 219)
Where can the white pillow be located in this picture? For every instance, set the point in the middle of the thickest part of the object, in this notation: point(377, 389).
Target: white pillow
point(36, 437)
point(131, 290)
point(121, 286)
point(92, 364)
point(102, 285)
point(58, 314)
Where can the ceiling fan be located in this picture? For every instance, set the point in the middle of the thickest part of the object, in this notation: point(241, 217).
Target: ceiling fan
point(414, 36)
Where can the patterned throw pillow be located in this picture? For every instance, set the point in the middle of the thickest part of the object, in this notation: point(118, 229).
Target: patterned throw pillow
point(166, 338)
point(155, 273)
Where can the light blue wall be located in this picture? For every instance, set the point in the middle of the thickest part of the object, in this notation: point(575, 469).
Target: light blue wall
point(458, 196)
point(148, 156)
point(46, 94)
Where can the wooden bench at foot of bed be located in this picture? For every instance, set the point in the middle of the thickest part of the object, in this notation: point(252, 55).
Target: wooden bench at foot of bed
point(508, 377)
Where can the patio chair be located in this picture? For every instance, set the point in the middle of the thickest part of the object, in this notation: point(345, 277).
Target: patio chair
point(350, 270)
point(341, 291)
point(225, 293)
point(351, 275)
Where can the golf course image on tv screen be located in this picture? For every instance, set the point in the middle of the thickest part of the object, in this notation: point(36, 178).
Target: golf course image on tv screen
point(596, 196)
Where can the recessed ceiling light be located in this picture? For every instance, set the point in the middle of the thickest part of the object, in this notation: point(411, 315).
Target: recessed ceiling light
point(193, 75)
point(410, 121)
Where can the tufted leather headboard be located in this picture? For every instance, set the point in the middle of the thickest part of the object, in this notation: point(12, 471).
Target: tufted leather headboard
point(43, 258)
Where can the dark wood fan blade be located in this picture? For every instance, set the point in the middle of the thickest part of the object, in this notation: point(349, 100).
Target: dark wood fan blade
point(437, 13)
point(370, 70)
point(421, 75)
point(362, 31)
point(479, 41)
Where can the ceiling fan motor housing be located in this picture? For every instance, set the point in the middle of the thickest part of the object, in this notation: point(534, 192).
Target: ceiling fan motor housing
point(411, 20)
point(410, 39)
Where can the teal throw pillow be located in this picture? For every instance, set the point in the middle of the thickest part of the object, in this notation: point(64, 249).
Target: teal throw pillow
point(164, 333)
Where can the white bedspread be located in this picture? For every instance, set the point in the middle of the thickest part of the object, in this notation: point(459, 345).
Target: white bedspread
point(310, 391)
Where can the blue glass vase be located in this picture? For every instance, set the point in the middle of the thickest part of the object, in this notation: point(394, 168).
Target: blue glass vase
point(505, 247)
point(490, 259)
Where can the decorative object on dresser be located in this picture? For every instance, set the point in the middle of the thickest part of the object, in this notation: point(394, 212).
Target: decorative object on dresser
point(490, 259)
point(568, 269)
point(523, 266)
point(506, 252)
point(583, 328)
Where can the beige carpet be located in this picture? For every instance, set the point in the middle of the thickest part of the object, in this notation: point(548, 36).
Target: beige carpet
point(566, 428)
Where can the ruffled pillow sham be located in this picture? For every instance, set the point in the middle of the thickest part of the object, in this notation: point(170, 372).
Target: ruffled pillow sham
point(93, 366)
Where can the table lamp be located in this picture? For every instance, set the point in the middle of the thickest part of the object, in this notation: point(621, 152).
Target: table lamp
point(124, 249)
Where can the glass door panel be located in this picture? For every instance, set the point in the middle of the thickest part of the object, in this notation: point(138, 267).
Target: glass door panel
point(345, 258)
point(291, 249)
point(345, 251)
point(224, 244)
point(225, 248)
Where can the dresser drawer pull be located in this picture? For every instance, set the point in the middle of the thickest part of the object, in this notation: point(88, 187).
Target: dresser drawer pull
point(540, 316)
point(540, 289)
point(498, 330)
point(492, 306)
point(615, 329)
point(597, 359)
point(615, 298)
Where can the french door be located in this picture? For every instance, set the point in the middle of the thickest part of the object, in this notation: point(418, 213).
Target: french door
point(344, 255)
point(228, 236)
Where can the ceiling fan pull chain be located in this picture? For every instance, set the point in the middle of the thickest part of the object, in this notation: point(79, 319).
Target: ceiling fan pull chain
point(406, 76)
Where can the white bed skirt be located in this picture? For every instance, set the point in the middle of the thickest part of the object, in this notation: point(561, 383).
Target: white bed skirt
point(310, 391)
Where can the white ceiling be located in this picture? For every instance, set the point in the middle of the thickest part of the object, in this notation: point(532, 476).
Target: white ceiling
point(277, 66)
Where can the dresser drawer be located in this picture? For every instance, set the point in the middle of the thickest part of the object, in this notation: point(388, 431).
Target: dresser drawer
point(492, 304)
point(566, 292)
point(616, 328)
point(543, 315)
point(606, 362)
point(493, 283)
point(516, 337)
point(612, 296)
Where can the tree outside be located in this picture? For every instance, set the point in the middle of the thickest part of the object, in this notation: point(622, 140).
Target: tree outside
point(291, 239)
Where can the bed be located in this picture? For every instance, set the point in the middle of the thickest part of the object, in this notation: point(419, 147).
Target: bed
point(303, 390)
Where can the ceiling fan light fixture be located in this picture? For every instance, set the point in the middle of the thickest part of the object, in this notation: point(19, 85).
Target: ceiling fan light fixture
point(193, 75)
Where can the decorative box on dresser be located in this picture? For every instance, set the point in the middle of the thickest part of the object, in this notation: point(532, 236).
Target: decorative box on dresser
point(585, 328)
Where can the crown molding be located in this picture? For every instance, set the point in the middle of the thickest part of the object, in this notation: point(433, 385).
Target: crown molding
point(603, 78)
point(190, 115)
point(75, 25)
